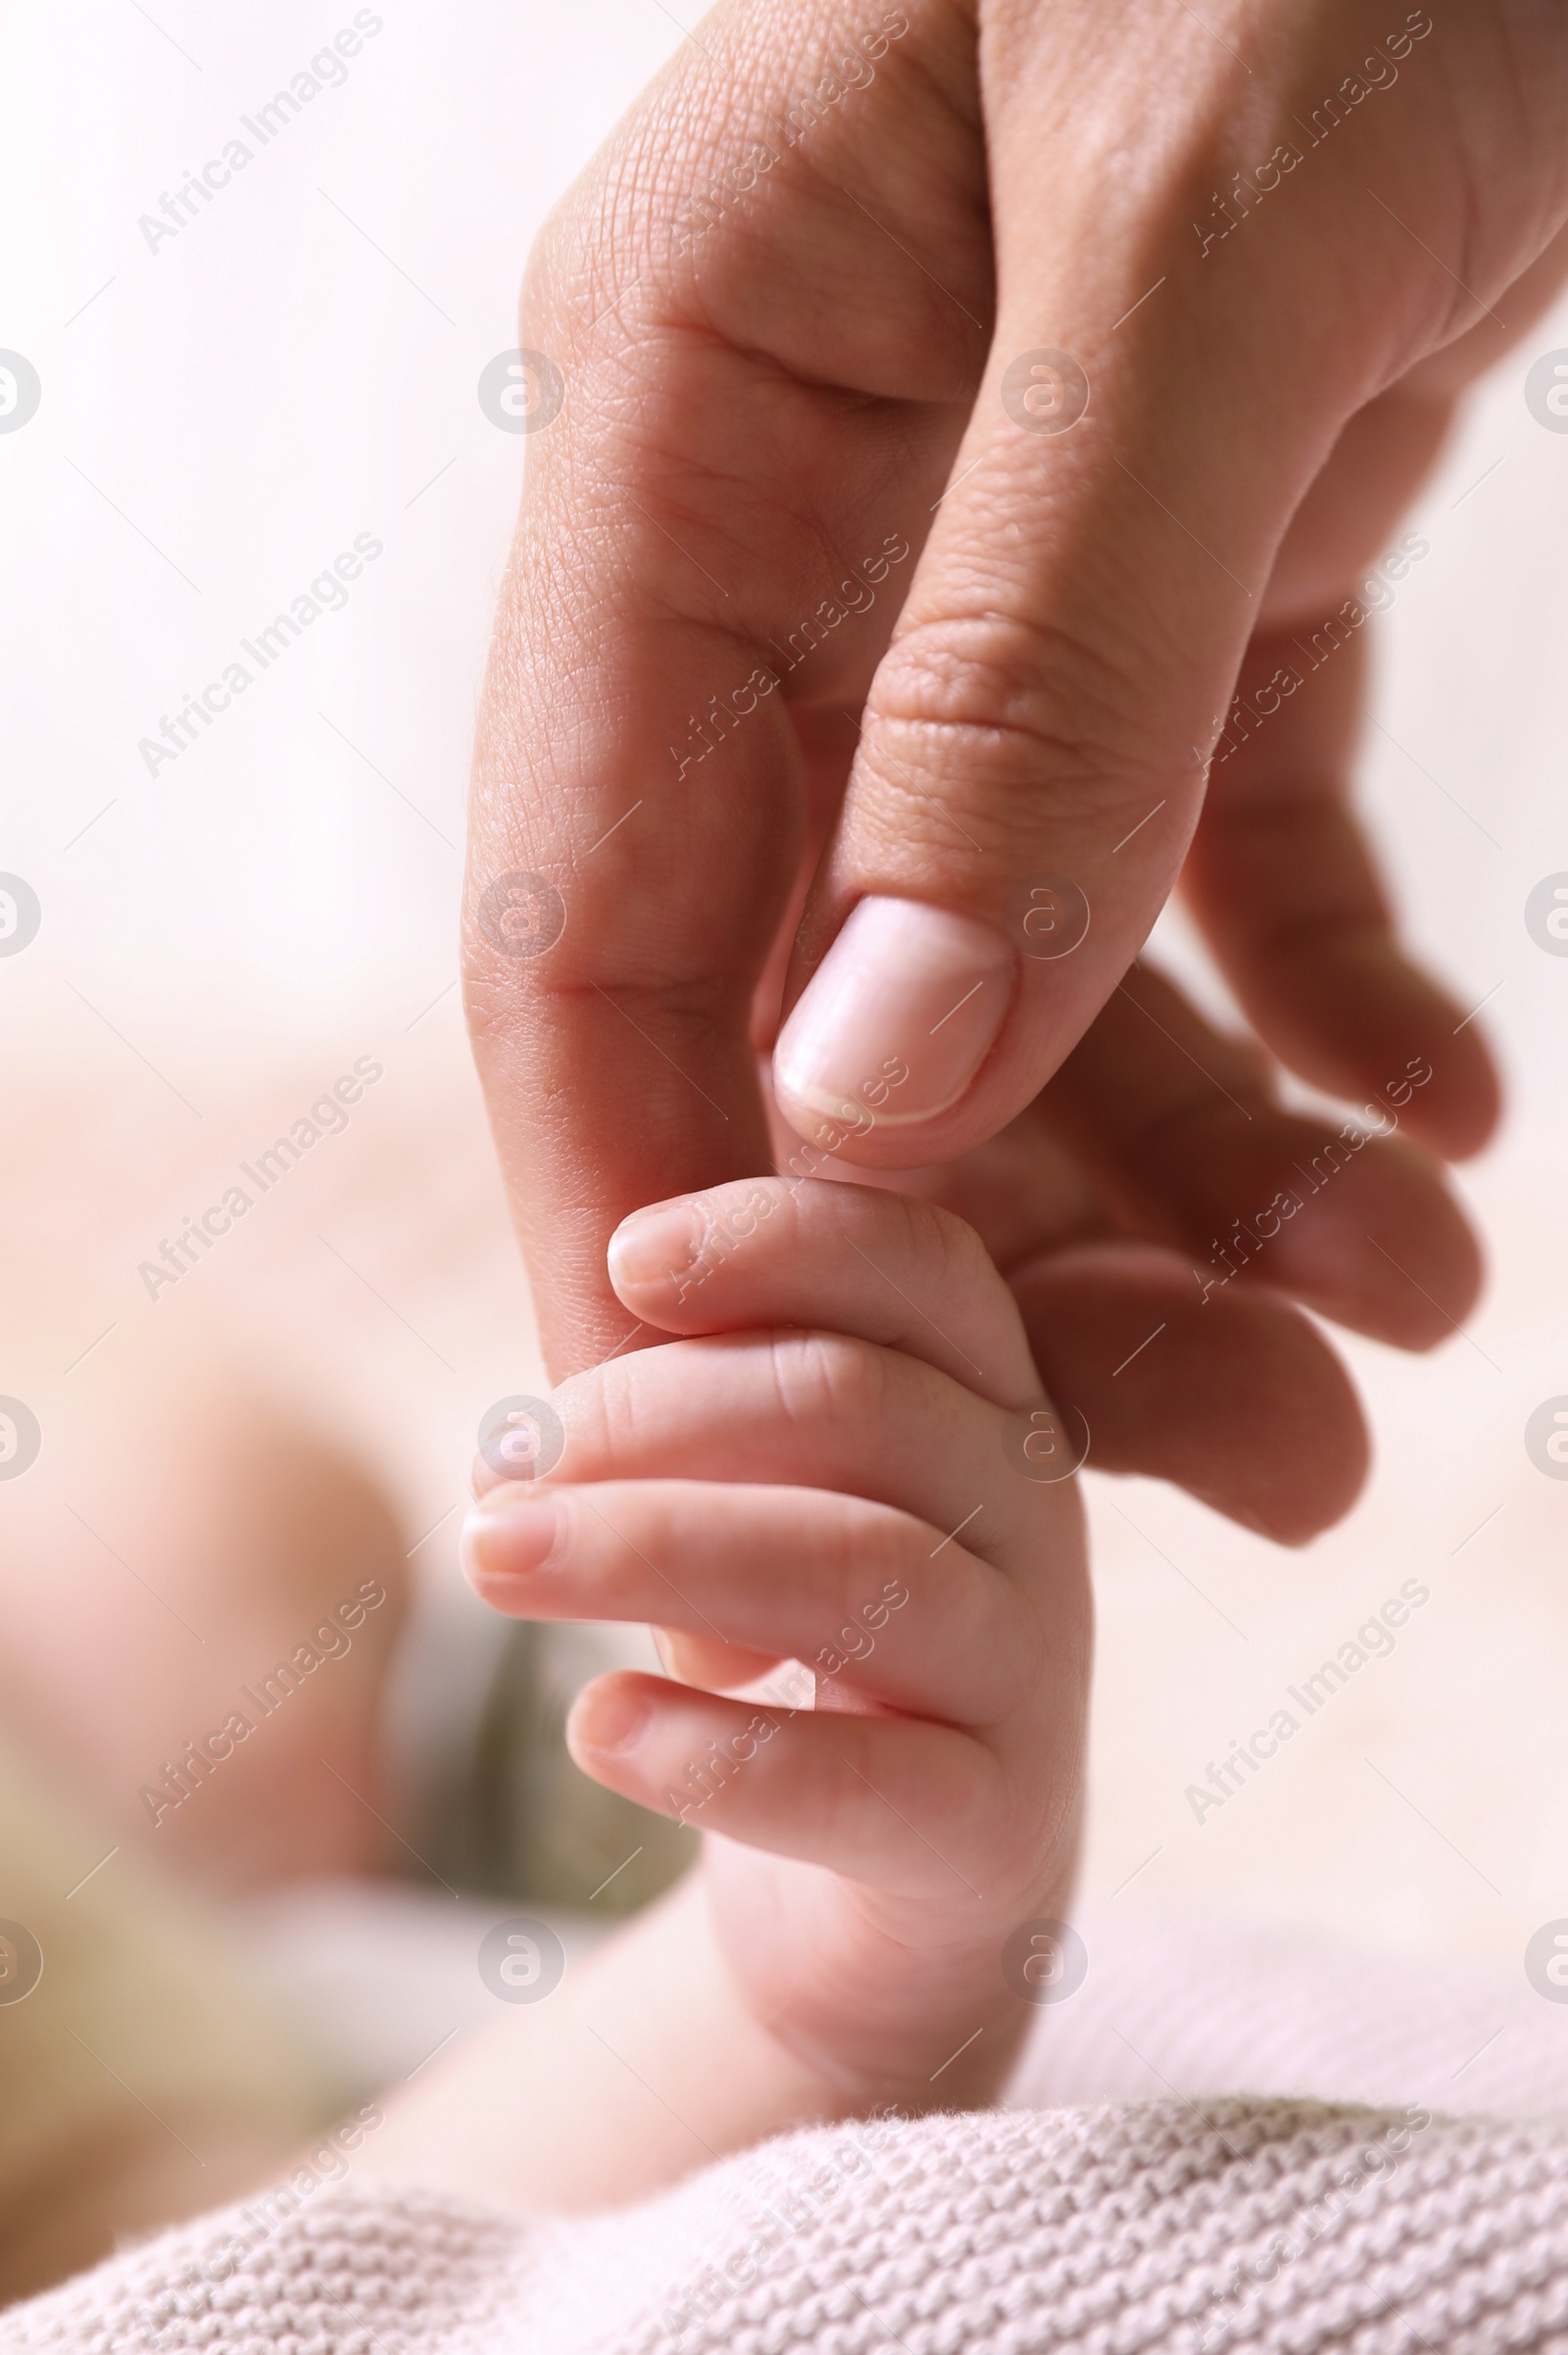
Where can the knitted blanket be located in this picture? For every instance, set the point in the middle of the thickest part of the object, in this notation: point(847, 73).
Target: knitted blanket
point(1165, 2228)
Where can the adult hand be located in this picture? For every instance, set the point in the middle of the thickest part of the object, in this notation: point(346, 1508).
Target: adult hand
point(815, 459)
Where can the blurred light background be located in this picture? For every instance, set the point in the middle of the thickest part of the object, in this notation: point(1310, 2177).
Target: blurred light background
point(222, 414)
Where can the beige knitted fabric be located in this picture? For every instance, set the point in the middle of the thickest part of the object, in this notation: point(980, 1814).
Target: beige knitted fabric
point(1275, 2226)
point(1196, 2002)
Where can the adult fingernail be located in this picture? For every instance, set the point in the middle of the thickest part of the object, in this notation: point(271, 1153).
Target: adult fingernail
point(609, 1716)
point(897, 1017)
point(656, 1245)
point(510, 1533)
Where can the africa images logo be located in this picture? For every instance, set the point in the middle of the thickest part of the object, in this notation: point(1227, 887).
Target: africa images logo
point(1546, 391)
point(20, 391)
point(1546, 1437)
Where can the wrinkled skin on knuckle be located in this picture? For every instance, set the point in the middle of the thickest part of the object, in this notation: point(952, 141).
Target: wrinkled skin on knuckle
point(1004, 711)
point(677, 215)
point(1518, 61)
point(601, 237)
point(821, 1380)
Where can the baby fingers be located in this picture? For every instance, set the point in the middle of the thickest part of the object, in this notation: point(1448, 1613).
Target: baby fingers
point(884, 1267)
point(914, 1809)
point(858, 1592)
point(818, 1410)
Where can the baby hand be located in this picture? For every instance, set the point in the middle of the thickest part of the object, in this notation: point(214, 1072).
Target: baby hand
point(828, 1469)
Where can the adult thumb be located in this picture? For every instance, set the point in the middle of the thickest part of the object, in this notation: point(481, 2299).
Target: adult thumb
point(1035, 738)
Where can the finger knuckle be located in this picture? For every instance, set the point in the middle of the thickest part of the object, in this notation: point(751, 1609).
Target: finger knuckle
point(590, 248)
point(1000, 709)
point(821, 1380)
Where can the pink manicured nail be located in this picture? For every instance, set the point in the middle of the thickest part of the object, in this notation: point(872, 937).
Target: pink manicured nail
point(896, 1020)
point(510, 1533)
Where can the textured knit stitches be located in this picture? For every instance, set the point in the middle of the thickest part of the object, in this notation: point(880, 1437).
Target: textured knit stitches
point(1285, 2228)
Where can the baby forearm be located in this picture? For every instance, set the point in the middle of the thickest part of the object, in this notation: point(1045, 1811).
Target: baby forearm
point(643, 2066)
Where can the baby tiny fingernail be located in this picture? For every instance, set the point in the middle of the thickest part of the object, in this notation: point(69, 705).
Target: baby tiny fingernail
point(652, 1246)
point(609, 1716)
point(510, 1533)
